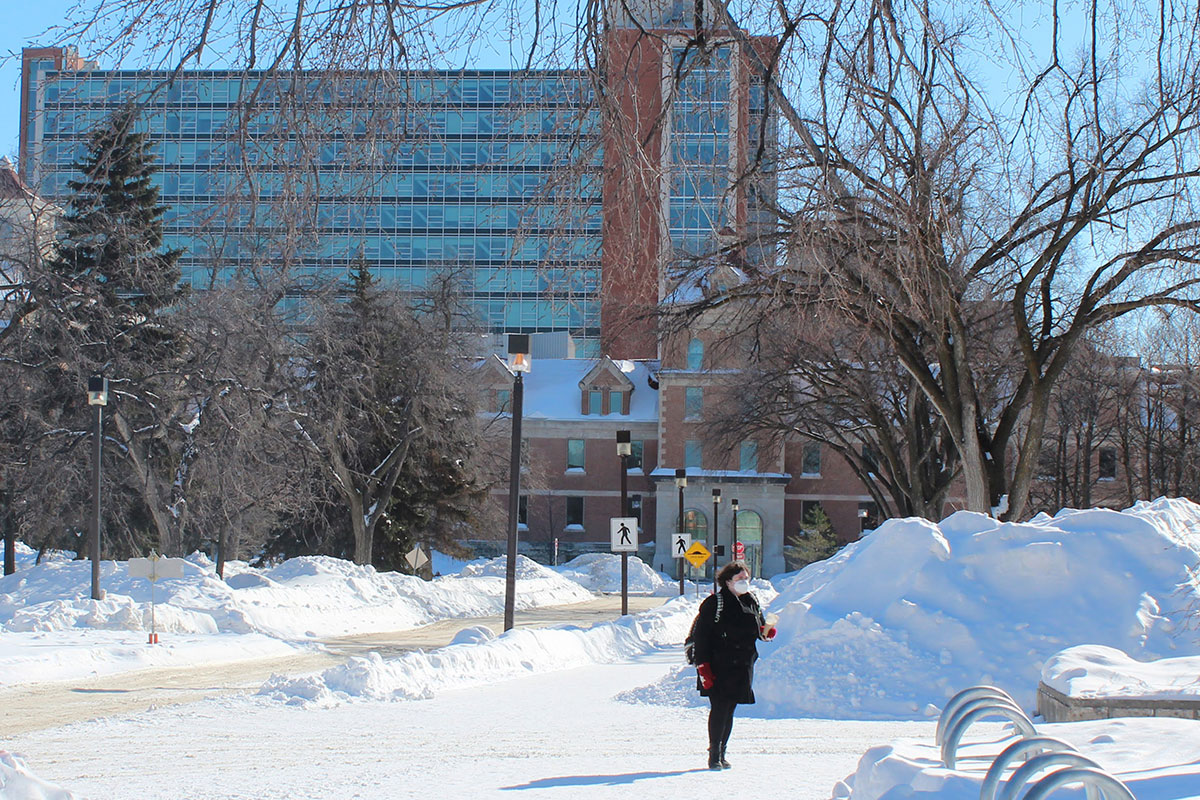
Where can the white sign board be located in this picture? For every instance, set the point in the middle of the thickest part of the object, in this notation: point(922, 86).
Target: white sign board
point(416, 557)
point(156, 568)
point(624, 532)
point(680, 542)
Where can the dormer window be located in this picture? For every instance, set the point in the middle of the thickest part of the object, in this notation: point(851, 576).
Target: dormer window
point(595, 402)
point(503, 401)
point(695, 354)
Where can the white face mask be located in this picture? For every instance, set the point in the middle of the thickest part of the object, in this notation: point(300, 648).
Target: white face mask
point(739, 587)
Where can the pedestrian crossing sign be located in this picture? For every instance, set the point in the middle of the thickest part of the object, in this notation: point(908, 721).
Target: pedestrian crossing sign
point(680, 542)
point(624, 532)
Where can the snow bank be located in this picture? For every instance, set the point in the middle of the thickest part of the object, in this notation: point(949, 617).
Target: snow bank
point(893, 625)
point(301, 598)
point(18, 783)
point(53, 630)
point(601, 572)
point(1098, 671)
point(1155, 757)
point(478, 658)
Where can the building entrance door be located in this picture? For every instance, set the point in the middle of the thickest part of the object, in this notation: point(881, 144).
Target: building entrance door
point(750, 534)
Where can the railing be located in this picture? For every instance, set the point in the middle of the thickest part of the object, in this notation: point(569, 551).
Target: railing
point(1041, 753)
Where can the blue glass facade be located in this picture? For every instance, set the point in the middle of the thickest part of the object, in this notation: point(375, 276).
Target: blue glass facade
point(488, 176)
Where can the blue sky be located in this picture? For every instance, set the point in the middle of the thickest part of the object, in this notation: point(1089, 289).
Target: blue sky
point(23, 23)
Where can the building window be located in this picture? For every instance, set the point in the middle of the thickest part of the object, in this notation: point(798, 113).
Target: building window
point(637, 448)
point(575, 512)
point(523, 510)
point(693, 403)
point(810, 462)
point(870, 459)
point(504, 400)
point(748, 460)
point(695, 524)
point(635, 507)
point(616, 402)
point(1108, 463)
point(595, 402)
point(695, 354)
point(575, 454)
point(693, 454)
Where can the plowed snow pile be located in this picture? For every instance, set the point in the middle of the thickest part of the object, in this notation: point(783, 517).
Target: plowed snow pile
point(894, 624)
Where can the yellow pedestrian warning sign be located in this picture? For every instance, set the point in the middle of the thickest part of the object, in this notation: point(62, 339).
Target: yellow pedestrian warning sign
point(697, 554)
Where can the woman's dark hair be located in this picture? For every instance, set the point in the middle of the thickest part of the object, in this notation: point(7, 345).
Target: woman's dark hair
point(729, 570)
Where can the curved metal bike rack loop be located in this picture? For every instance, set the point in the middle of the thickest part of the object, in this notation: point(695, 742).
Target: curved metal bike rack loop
point(1043, 763)
point(1019, 749)
point(1110, 788)
point(955, 733)
point(979, 702)
point(965, 696)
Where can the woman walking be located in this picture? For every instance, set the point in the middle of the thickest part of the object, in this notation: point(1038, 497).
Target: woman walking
point(726, 634)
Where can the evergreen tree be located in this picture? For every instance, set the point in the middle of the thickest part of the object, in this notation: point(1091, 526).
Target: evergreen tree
point(103, 300)
point(816, 541)
point(113, 225)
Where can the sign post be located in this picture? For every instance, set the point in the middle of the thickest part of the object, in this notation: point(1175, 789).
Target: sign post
point(154, 568)
point(623, 533)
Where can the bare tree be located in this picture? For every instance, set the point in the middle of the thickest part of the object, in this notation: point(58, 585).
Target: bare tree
point(920, 199)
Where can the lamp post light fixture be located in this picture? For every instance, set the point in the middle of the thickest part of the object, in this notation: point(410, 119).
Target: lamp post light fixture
point(681, 484)
point(715, 539)
point(733, 505)
point(97, 395)
point(519, 364)
point(624, 451)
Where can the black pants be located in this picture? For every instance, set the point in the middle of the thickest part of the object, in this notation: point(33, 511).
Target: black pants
point(720, 724)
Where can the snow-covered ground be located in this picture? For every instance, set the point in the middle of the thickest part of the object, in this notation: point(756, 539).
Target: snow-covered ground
point(884, 631)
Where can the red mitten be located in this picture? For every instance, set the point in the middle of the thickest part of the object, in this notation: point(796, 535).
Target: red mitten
point(769, 633)
point(706, 675)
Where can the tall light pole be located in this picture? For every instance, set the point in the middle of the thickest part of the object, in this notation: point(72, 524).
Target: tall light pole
point(681, 484)
point(624, 450)
point(715, 539)
point(519, 362)
point(97, 394)
point(733, 504)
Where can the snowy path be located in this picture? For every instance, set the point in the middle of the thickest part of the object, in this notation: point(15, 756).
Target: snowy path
point(44, 705)
point(557, 735)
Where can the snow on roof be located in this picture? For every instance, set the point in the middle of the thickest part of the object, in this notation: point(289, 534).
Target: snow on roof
point(552, 390)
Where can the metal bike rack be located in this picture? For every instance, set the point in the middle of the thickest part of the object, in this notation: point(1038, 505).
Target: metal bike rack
point(1024, 748)
point(1109, 787)
point(1040, 752)
point(979, 702)
point(993, 709)
point(1047, 761)
point(965, 696)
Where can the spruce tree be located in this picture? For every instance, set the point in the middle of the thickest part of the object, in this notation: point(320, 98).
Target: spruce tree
point(105, 300)
point(112, 240)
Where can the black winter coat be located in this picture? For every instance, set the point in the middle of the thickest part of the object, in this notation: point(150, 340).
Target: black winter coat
point(728, 641)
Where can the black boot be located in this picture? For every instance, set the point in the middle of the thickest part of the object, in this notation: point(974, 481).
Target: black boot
point(721, 760)
point(714, 759)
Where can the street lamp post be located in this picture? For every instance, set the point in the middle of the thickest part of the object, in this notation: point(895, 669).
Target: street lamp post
point(681, 484)
point(624, 450)
point(715, 539)
point(733, 505)
point(97, 394)
point(518, 350)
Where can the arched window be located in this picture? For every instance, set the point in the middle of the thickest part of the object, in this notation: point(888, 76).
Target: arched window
point(695, 524)
point(750, 534)
point(695, 354)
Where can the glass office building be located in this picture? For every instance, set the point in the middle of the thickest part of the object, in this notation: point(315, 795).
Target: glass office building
point(493, 178)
